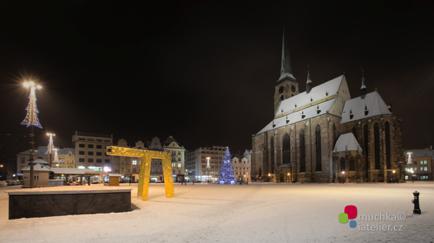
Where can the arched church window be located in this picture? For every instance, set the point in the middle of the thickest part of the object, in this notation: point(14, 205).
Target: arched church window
point(286, 147)
point(272, 155)
point(352, 164)
point(366, 141)
point(318, 148)
point(293, 89)
point(281, 89)
point(342, 164)
point(388, 145)
point(302, 152)
point(377, 144)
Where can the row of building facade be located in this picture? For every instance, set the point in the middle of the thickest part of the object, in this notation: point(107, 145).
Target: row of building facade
point(89, 152)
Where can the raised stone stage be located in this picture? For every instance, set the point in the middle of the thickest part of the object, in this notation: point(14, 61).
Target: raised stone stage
point(29, 204)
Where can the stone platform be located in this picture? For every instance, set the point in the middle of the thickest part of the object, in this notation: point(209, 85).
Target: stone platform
point(29, 204)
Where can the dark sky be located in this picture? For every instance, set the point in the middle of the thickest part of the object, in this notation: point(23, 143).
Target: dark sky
point(204, 72)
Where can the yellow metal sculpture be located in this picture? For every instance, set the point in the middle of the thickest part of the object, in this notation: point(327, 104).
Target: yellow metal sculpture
point(145, 167)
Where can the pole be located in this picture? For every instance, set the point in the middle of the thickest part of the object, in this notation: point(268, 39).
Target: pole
point(32, 157)
point(50, 159)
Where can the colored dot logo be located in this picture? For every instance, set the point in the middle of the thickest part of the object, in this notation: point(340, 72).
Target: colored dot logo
point(349, 215)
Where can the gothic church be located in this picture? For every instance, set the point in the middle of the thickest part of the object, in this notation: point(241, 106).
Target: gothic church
point(324, 135)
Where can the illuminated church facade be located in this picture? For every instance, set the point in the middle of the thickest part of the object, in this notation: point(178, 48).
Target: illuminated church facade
point(324, 135)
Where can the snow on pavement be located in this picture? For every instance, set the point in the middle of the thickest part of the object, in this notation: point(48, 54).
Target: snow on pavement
point(234, 213)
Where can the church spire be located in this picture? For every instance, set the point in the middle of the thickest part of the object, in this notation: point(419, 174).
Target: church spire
point(285, 65)
point(363, 88)
point(308, 81)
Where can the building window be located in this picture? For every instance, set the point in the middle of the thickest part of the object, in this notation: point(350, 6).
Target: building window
point(286, 147)
point(98, 146)
point(99, 160)
point(377, 145)
point(366, 144)
point(302, 152)
point(98, 153)
point(388, 145)
point(90, 145)
point(81, 152)
point(90, 153)
point(342, 165)
point(81, 145)
point(81, 160)
point(107, 160)
point(352, 164)
point(318, 166)
point(90, 160)
point(272, 155)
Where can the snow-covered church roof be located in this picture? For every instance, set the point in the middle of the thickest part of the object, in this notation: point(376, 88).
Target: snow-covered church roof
point(316, 94)
point(363, 107)
point(305, 105)
point(347, 142)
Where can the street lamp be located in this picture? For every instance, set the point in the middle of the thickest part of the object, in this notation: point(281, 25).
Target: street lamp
point(289, 177)
point(31, 120)
point(50, 147)
point(343, 174)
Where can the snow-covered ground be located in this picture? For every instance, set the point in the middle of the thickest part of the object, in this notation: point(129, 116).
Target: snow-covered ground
point(247, 213)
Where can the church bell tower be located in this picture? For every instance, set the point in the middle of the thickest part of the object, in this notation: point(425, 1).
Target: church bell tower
point(286, 86)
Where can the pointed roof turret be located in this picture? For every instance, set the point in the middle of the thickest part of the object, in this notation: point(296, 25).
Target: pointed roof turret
point(363, 88)
point(308, 81)
point(285, 65)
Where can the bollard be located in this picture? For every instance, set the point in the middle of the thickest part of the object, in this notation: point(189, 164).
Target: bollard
point(415, 201)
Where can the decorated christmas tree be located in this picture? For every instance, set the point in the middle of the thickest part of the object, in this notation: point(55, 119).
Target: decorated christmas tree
point(226, 171)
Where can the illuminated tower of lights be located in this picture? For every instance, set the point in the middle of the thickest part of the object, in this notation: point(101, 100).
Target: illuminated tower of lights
point(31, 120)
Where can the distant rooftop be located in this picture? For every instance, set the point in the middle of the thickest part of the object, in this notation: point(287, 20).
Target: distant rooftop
point(91, 134)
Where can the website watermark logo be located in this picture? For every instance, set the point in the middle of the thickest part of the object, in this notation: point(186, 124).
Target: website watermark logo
point(378, 221)
point(349, 216)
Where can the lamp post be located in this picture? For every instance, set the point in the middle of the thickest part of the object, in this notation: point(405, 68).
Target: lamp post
point(31, 120)
point(343, 174)
point(289, 177)
point(50, 147)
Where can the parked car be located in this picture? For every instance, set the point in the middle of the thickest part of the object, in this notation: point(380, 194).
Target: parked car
point(14, 182)
point(3, 184)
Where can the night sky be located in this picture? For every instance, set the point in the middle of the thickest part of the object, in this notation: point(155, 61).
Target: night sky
point(203, 72)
